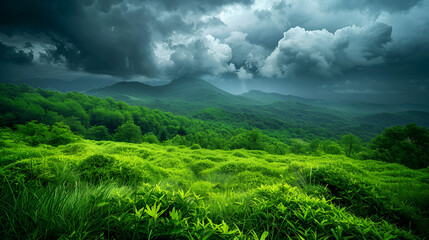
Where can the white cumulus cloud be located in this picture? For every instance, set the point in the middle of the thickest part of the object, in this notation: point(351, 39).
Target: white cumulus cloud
point(322, 53)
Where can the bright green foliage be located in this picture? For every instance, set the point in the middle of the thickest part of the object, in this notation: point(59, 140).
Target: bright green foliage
point(250, 140)
point(331, 147)
point(104, 119)
point(98, 133)
point(35, 133)
point(351, 144)
point(128, 132)
point(171, 177)
point(110, 190)
point(314, 146)
point(407, 145)
point(97, 168)
point(195, 146)
point(299, 147)
point(150, 138)
point(360, 198)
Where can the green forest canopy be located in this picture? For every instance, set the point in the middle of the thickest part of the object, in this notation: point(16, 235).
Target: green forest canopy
point(106, 119)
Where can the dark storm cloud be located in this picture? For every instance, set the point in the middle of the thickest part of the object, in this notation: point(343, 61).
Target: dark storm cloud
point(210, 22)
point(196, 6)
point(171, 24)
point(86, 38)
point(10, 54)
point(308, 43)
point(105, 5)
point(103, 36)
point(371, 5)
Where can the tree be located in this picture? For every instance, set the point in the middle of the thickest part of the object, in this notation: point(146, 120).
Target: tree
point(351, 144)
point(98, 133)
point(314, 145)
point(150, 138)
point(163, 135)
point(299, 147)
point(111, 119)
point(60, 134)
point(181, 131)
point(407, 145)
point(330, 147)
point(36, 133)
point(251, 140)
point(128, 132)
point(33, 132)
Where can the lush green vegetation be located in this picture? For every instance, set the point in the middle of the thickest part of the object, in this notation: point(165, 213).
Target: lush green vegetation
point(74, 166)
point(90, 189)
point(407, 145)
point(277, 115)
point(104, 119)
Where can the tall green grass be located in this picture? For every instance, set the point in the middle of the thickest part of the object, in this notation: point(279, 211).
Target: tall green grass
point(108, 190)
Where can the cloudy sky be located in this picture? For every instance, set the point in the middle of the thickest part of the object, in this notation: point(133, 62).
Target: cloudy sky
point(365, 50)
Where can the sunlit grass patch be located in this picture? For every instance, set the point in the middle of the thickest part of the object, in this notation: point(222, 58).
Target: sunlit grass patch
point(200, 192)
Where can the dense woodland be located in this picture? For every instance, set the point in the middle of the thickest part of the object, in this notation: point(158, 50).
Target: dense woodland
point(279, 116)
point(105, 119)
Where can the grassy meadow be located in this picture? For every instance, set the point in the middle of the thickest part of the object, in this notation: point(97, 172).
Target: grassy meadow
point(89, 189)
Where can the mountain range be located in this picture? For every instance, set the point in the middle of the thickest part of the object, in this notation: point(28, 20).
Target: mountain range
point(203, 94)
point(193, 97)
point(79, 84)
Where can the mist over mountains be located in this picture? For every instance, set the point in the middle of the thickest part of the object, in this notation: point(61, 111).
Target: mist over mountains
point(195, 90)
point(336, 50)
point(197, 98)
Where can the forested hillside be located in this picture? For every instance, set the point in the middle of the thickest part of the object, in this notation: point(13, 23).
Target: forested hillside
point(278, 115)
point(213, 128)
point(78, 166)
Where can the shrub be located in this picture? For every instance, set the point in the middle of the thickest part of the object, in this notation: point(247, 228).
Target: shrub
point(195, 146)
point(36, 133)
point(98, 168)
point(150, 138)
point(362, 199)
point(98, 133)
point(128, 132)
point(198, 166)
point(407, 145)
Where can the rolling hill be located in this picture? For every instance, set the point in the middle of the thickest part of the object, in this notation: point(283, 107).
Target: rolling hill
point(80, 84)
point(124, 190)
point(193, 97)
point(195, 93)
point(350, 107)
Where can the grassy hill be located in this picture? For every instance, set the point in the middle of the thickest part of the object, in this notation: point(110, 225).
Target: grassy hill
point(100, 189)
point(191, 177)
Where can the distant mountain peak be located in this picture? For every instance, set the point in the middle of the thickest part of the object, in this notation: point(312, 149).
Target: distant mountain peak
point(189, 89)
point(128, 83)
point(186, 80)
point(254, 91)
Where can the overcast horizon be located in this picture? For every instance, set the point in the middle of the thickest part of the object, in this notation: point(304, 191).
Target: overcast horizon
point(360, 50)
